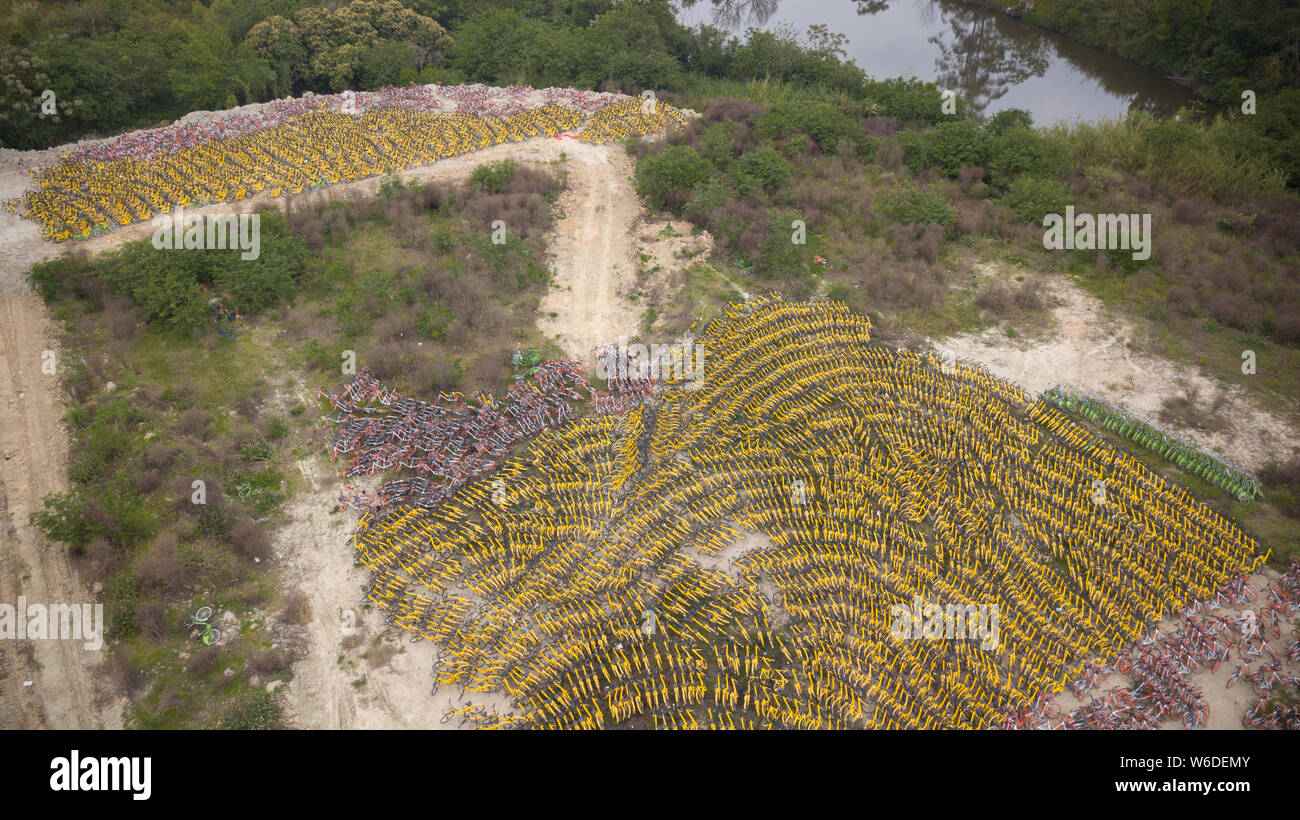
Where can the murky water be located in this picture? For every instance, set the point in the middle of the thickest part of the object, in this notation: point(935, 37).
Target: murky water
point(991, 59)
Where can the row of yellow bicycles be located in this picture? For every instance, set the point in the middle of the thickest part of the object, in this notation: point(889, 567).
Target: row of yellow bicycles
point(828, 533)
point(314, 148)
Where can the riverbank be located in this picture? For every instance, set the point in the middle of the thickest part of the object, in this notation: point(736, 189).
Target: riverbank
point(1193, 46)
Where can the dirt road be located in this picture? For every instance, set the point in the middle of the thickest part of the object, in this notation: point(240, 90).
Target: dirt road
point(34, 448)
point(593, 254)
point(66, 689)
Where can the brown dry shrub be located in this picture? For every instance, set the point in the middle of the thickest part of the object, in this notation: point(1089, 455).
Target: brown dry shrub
point(916, 241)
point(1234, 310)
point(297, 608)
point(491, 365)
point(1282, 472)
point(1181, 299)
point(385, 360)
point(729, 108)
point(443, 374)
point(972, 217)
point(1029, 296)
point(148, 480)
point(121, 319)
point(814, 197)
point(133, 676)
point(1229, 274)
point(395, 326)
point(1190, 211)
point(312, 232)
point(151, 618)
point(159, 456)
point(969, 175)
point(881, 126)
point(996, 299)
point(267, 662)
point(889, 156)
point(100, 559)
point(195, 421)
point(203, 662)
point(1286, 328)
point(161, 567)
point(250, 540)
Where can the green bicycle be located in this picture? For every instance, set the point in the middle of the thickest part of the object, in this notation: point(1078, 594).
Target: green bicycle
point(207, 632)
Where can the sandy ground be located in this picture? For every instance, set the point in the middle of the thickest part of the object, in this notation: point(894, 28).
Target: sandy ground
point(1226, 706)
point(1092, 351)
point(46, 683)
point(67, 689)
point(592, 253)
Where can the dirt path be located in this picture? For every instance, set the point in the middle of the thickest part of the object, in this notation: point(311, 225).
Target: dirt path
point(34, 448)
point(1092, 351)
point(68, 689)
point(593, 254)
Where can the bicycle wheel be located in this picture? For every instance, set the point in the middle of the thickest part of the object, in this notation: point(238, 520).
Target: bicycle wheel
point(1124, 666)
point(211, 637)
point(203, 614)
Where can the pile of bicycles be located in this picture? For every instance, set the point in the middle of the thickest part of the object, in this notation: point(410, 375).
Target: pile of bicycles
point(445, 443)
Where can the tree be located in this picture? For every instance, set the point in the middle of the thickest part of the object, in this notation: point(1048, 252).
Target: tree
point(332, 49)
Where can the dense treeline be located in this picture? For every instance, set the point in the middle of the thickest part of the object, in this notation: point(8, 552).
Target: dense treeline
point(114, 64)
point(118, 64)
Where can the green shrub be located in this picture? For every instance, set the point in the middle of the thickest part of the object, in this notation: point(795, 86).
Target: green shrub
point(912, 101)
point(1031, 197)
point(1021, 151)
point(779, 258)
point(1276, 128)
point(763, 169)
point(908, 206)
point(717, 142)
point(1008, 119)
point(434, 321)
point(947, 147)
point(823, 122)
point(121, 595)
point(666, 179)
point(315, 355)
point(172, 287)
point(133, 523)
point(708, 200)
point(62, 518)
point(261, 490)
point(493, 177)
point(1166, 140)
point(257, 452)
point(654, 71)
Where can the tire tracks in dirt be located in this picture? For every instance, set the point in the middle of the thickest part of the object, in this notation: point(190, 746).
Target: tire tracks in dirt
point(34, 445)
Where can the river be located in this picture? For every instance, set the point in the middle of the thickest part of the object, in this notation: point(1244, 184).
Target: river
point(989, 58)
